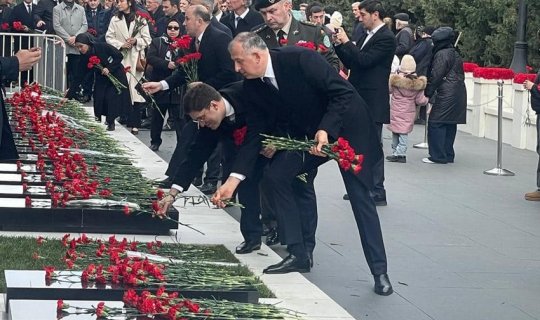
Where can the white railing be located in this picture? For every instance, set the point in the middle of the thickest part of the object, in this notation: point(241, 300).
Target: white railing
point(50, 71)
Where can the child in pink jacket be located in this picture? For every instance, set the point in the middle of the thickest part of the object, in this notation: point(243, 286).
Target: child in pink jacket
point(407, 90)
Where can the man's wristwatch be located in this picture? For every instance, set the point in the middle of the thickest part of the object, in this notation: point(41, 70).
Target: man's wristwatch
point(173, 197)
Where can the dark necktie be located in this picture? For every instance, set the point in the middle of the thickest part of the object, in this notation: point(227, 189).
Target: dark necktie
point(29, 9)
point(237, 21)
point(93, 13)
point(268, 82)
point(281, 38)
point(197, 45)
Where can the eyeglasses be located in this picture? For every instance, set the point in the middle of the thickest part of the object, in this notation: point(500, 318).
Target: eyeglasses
point(173, 28)
point(201, 119)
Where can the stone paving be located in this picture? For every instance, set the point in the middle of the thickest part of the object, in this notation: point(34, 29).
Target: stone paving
point(460, 244)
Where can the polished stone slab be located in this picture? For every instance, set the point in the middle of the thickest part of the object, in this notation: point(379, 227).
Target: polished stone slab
point(46, 310)
point(31, 285)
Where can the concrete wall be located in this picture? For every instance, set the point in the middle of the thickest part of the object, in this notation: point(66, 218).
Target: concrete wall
point(519, 120)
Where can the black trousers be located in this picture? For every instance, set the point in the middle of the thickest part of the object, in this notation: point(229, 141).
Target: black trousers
point(157, 121)
point(278, 178)
point(248, 195)
point(71, 69)
point(378, 169)
point(88, 84)
point(441, 137)
point(134, 115)
point(538, 150)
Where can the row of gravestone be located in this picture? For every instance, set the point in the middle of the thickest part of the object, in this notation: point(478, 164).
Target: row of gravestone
point(30, 209)
point(30, 296)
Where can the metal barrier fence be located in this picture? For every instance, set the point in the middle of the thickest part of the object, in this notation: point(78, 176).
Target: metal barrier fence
point(50, 71)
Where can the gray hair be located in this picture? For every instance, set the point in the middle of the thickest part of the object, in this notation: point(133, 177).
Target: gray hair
point(249, 41)
point(201, 12)
point(209, 4)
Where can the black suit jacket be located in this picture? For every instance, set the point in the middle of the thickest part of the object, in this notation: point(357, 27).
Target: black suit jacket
point(44, 11)
point(9, 70)
point(20, 13)
point(220, 26)
point(215, 67)
point(206, 139)
point(311, 96)
point(251, 20)
point(370, 70)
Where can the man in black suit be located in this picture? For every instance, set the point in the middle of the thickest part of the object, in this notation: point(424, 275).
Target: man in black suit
point(209, 5)
point(242, 18)
point(171, 11)
point(369, 62)
point(219, 117)
point(9, 70)
point(294, 92)
point(43, 15)
point(23, 13)
point(215, 68)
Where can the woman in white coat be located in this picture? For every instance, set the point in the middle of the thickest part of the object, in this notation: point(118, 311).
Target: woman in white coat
point(128, 32)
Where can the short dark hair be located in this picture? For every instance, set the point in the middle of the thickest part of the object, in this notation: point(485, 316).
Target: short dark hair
point(373, 5)
point(174, 2)
point(309, 8)
point(198, 97)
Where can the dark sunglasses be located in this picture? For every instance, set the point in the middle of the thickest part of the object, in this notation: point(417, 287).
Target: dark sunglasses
point(173, 28)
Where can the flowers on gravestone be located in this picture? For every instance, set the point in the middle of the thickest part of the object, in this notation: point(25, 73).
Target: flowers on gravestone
point(95, 62)
point(520, 78)
point(189, 64)
point(469, 66)
point(340, 151)
point(171, 306)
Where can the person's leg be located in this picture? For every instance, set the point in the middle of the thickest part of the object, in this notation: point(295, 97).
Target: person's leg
point(436, 138)
point(212, 174)
point(367, 221)
point(134, 117)
point(306, 199)
point(451, 130)
point(378, 192)
point(157, 124)
point(395, 142)
point(249, 197)
point(401, 148)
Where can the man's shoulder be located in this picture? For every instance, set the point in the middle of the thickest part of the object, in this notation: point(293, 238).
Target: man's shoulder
point(309, 24)
point(261, 29)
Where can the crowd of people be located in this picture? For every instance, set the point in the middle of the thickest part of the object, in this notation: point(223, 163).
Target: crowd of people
point(255, 77)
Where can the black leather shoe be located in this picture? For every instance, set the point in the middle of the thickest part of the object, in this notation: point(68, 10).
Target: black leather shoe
point(310, 257)
point(98, 119)
point(165, 183)
point(382, 287)
point(272, 238)
point(345, 197)
point(208, 188)
point(248, 247)
point(154, 147)
point(289, 264)
point(110, 127)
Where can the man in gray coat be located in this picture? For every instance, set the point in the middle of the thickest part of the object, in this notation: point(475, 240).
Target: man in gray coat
point(69, 19)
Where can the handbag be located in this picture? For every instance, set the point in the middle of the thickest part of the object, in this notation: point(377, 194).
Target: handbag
point(141, 63)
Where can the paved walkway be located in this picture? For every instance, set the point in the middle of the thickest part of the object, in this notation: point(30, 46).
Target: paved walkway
point(460, 244)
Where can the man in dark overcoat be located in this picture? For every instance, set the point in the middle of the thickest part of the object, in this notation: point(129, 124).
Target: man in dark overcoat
point(294, 92)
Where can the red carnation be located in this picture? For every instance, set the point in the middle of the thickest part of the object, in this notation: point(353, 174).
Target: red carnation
point(239, 135)
point(92, 31)
point(18, 26)
point(126, 210)
point(283, 42)
point(127, 69)
point(5, 26)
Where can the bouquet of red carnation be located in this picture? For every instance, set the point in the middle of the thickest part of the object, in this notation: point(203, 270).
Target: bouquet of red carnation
point(141, 19)
point(340, 150)
point(321, 48)
point(94, 61)
point(189, 64)
point(5, 26)
point(92, 31)
point(18, 26)
point(182, 42)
